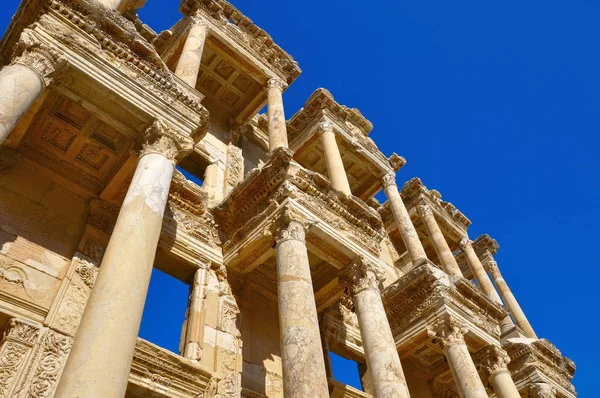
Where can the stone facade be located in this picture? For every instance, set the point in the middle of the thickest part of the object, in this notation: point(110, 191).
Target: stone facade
point(287, 254)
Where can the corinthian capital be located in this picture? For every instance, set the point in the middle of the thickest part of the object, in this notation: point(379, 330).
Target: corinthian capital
point(363, 274)
point(43, 59)
point(465, 243)
point(492, 360)
point(324, 126)
point(276, 83)
point(388, 179)
point(490, 265)
point(161, 139)
point(447, 331)
point(291, 225)
point(424, 210)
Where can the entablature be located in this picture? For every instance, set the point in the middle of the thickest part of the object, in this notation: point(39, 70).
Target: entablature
point(110, 67)
point(424, 295)
point(539, 361)
point(364, 163)
point(158, 372)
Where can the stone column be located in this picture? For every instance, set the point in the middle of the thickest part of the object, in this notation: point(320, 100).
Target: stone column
point(188, 65)
point(333, 158)
point(194, 334)
point(466, 245)
point(405, 226)
point(302, 359)
point(508, 298)
point(449, 334)
point(277, 128)
point(494, 360)
point(209, 184)
point(542, 390)
point(383, 361)
point(35, 67)
point(102, 352)
point(439, 242)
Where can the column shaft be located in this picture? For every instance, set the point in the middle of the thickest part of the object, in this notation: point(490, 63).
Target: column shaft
point(463, 370)
point(383, 362)
point(503, 385)
point(333, 158)
point(405, 226)
point(102, 353)
point(112, 4)
point(277, 127)
point(23, 81)
point(510, 300)
point(302, 358)
point(478, 271)
point(188, 65)
point(194, 335)
point(439, 242)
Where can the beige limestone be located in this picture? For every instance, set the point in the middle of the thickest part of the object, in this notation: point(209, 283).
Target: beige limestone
point(542, 390)
point(494, 361)
point(36, 67)
point(405, 226)
point(383, 362)
point(449, 333)
point(333, 158)
point(509, 299)
point(301, 351)
point(194, 335)
point(113, 314)
point(188, 66)
point(277, 128)
point(439, 241)
point(112, 4)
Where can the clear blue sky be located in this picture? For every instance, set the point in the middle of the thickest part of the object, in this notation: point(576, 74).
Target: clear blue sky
point(494, 104)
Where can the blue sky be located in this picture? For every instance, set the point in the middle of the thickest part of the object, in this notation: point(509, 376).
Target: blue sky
point(494, 104)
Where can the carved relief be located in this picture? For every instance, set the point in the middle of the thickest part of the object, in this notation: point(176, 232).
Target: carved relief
point(40, 57)
point(363, 274)
point(17, 340)
point(161, 139)
point(54, 355)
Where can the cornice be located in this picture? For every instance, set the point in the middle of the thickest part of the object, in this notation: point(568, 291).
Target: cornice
point(83, 28)
point(223, 16)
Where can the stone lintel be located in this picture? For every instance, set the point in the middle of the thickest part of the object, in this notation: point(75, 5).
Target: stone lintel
point(426, 293)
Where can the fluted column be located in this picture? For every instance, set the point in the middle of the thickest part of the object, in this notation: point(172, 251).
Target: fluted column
point(542, 390)
point(405, 226)
point(383, 362)
point(439, 242)
point(333, 159)
point(494, 360)
point(35, 67)
point(301, 350)
point(188, 65)
point(508, 298)
point(102, 352)
point(277, 128)
point(449, 333)
point(194, 334)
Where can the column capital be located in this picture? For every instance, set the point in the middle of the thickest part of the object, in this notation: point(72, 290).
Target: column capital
point(276, 83)
point(163, 140)
point(291, 225)
point(363, 274)
point(542, 390)
point(424, 210)
point(389, 179)
point(324, 127)
point(465, 243)
point(447, 331)
point(197, 20)
point(43, 59)
point(490, 265)
point(492, 360)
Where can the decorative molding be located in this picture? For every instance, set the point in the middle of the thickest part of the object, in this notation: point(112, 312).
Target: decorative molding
point(363, 274)
point(492, 360)
point(163, 140)
point(388, 179)
point(448, 331)
point(276, 83)
point(43, 59)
